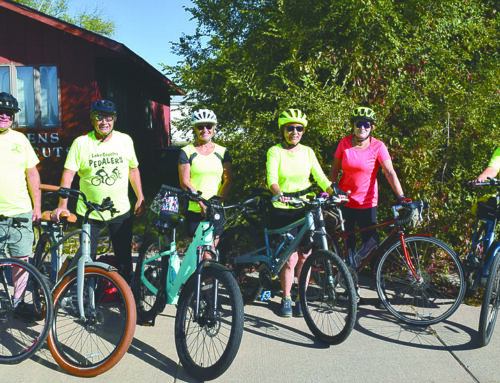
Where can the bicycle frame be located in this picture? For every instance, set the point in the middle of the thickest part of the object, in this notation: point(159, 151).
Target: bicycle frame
point(273, 259)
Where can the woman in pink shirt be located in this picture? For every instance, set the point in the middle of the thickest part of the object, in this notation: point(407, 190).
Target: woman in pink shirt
point(359, 155)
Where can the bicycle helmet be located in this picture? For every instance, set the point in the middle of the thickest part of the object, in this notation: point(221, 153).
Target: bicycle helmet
point(103, 106)
point(203, 116)
point(363, 113)
point(9, 102)
point(292, 115)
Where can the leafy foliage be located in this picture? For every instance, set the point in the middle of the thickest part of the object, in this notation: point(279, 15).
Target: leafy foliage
point(90, 20)
point(429, 68)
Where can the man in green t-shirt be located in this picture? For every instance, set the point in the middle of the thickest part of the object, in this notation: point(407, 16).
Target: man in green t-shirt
point(105, 160)
point(19, 188)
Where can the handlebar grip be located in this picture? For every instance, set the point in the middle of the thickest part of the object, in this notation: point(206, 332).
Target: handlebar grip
point(51, 188)
point(172, 189)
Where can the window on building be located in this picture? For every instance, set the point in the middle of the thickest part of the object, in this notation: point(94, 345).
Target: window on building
point(37, 91)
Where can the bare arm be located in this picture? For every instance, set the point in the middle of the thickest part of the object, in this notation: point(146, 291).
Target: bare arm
point(33, 181)
point(66, 180)
point(334, 170)
point(227, 180)
point(134, 177)
point(488, 172)
point(392, 177)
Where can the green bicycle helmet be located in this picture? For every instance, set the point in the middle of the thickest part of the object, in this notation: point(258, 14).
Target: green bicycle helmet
point(292, 115)
point(363, 113)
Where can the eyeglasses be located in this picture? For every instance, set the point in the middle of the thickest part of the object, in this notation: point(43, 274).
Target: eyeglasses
point(7, 113)
point(100, 117)
point(363, 125)
point(204, 126)
point(291, 128)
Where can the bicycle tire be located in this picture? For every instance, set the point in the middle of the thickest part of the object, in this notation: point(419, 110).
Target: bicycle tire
point(327, 297)
point(440, 288)
point(24, 329)
point(490, 304)
point(42, 245)
point(147, 303)
point(91, 348)
point(206, 347)
point(234, 242)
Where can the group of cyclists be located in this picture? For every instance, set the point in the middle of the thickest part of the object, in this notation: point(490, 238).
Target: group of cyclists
point(204, 166)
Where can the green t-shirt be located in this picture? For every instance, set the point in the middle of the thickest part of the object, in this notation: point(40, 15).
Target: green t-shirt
point(206, 170)
point(292, 170)
point(103, 168)
point(495, 159)
point(17, 156)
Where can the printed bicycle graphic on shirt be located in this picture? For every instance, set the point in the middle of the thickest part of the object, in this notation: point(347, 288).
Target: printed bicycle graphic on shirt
point(102, 176)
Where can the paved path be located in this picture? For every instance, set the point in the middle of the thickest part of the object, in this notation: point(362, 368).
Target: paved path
point(277, 350)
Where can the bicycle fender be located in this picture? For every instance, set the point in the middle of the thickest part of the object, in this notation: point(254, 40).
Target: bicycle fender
point(100, 265)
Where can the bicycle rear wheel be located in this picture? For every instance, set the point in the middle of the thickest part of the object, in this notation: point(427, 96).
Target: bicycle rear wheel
point(207, 345)
point(439, 289)
point(490, 304)
point(24, 328)
point(147, 302)
point(237, 241)
point(92, 346)
point(327, 297)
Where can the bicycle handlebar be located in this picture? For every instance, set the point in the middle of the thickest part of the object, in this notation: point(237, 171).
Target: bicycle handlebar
point(64, 193)
point(491, 182)
point(16, 221)
point(411, 206)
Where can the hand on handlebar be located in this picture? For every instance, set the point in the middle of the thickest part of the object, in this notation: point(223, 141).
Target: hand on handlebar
point(402, 199)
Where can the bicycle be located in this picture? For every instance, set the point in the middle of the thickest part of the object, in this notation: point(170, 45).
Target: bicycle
point(419, 279)
point(209, 317)
point(325, 289)
point(23, 327)
point(94, 308)
point(482, 266)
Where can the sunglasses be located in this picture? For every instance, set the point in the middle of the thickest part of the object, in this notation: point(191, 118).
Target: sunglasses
point(291, 128)
point(100, 117)
point(8, 113)
point(363, 125)
point(204, 126)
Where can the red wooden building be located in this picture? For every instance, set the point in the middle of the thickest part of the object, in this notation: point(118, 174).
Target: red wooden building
point(56, 70)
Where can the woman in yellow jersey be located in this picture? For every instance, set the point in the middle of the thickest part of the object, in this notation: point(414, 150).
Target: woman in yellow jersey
point(204, 166)
point(289, 167)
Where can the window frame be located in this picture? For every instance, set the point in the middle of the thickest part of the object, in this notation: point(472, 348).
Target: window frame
point(36, 93)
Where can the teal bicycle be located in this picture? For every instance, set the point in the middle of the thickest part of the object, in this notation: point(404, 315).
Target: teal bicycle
point(209, 317)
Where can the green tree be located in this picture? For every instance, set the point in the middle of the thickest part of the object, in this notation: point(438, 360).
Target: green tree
point(90, 20)
point(429, 68)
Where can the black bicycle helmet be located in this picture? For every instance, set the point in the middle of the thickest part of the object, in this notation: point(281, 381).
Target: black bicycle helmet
point(9, 102)
point(103, 106)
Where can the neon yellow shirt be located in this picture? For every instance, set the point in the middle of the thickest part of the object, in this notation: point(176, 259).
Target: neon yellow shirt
point(103, 168)
point(17, 156)
point(292, 170)
point(206, 170)
point(495, 159)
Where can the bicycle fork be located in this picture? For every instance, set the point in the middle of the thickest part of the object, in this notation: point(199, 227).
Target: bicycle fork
point(80, 279)
point(407, 258)
point(215, 283)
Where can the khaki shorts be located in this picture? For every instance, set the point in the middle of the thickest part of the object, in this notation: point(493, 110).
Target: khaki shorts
point(20, 239)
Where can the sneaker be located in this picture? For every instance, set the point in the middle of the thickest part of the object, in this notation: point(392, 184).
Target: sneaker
point(286, 308)
point(298, 309)
point(367, 247)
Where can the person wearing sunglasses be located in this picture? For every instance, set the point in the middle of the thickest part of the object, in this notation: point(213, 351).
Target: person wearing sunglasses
point(289, 167)
point(359, 156)
point(204, 166)
point(106, 162)
point(19, 188)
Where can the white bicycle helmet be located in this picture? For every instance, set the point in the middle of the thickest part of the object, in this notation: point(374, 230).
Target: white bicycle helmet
point(203, 116)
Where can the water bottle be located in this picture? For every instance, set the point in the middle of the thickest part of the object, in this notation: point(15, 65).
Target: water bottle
point(283, 244)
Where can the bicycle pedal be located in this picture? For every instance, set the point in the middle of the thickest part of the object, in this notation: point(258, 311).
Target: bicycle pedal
point(265, 296)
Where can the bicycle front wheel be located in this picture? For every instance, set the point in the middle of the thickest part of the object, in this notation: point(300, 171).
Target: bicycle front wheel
point(147, 302)
point(438, 289)
point(490, 304)
point(92, 345)
point(327, 297)
point(207, 344)
point(25, 327)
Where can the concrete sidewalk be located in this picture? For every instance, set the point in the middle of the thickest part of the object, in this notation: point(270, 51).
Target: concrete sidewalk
point(275, 349)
